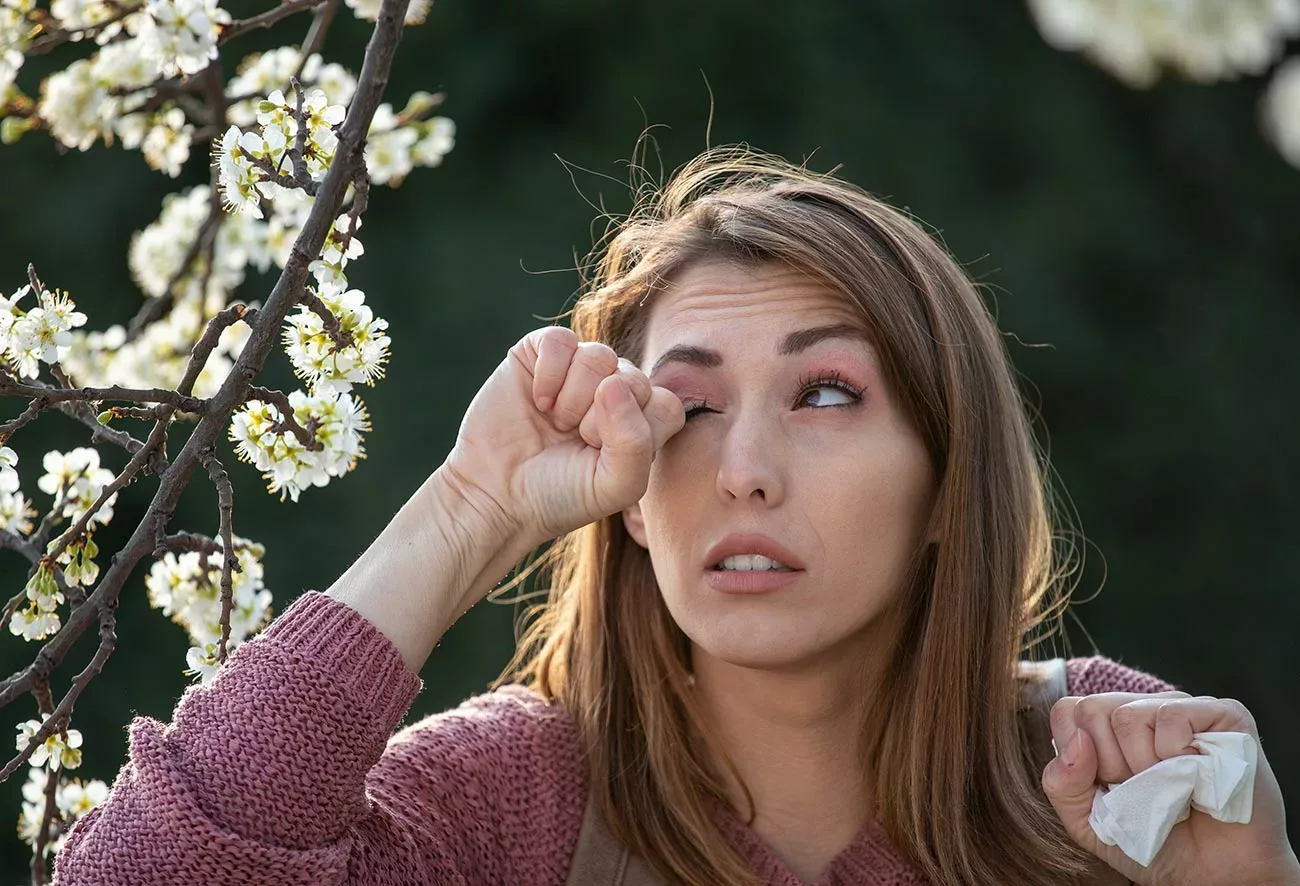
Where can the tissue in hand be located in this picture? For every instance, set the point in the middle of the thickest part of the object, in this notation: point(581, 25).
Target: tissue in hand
point(1138, 814)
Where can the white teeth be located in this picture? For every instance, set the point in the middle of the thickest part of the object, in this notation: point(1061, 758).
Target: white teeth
point(750, 563)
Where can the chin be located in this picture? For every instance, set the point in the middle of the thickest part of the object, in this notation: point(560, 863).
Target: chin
point(754, 641)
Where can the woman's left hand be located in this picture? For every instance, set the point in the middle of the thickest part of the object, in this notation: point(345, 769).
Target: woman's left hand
point(1105, 739)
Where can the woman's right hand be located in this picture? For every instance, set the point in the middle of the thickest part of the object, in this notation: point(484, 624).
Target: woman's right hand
point(560, 435)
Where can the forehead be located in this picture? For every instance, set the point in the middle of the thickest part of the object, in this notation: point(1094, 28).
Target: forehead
point(745, 305)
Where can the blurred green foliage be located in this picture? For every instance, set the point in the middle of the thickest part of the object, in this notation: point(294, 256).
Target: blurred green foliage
point(1138, 247)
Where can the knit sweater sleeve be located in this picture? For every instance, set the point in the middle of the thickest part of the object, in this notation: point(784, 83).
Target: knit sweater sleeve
point(284, 769)
point(1096, 674)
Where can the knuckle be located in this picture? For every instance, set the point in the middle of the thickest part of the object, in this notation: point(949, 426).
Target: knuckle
point(1168, 712)
point(560, 335)
point(1238, 710)
point(1126, 717)
point(1062, 713)
point(599, 357)
point(1091, 710)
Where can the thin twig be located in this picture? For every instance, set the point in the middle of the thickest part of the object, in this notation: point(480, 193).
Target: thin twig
point(128, 474)
point(7, 429)
point(49, 41)
point(265, 19)
point(287, 423)
point(57, 719)
point(50, 811)
point(283, 179)
point(15, 542)
point(315, 38)
point(299, 152)
point(52, 516)
point(225, 507)
point(154, 308)
point(340, 336)
point(208, 342)
point(186, 541)
point(50, 396)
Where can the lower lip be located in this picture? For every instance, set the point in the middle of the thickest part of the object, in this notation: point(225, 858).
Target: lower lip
point(752, 582)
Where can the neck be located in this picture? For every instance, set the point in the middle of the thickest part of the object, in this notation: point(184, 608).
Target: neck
point(795, 739)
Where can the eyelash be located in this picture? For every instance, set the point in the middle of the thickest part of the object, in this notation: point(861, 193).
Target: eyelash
point(806, 382)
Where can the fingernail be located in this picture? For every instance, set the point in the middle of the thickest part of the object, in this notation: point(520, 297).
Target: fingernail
point(1073, 747)
point(545, 403)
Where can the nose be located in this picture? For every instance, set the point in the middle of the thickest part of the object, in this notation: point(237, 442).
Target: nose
point(749, 465)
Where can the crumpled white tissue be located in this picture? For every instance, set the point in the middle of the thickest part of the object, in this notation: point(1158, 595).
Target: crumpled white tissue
point(1138, 814)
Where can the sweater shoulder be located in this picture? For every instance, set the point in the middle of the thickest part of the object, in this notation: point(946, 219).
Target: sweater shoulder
point(500, 780)
point(1094, 674)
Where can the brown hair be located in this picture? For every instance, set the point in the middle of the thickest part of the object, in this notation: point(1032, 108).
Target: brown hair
point(955, 788)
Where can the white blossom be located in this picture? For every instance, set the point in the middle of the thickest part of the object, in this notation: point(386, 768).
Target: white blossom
point(42, 334)
point(167, 143)
point(71, 103)
point(187, 588)
point(287, 465)
point(1280, 110)
point(14, 39)
point(8, 463)
point(1204, 40)
point(416, 13)
point(76, 15)
point(314, 355)
point(437, 141)
point(16, 511)
point(78, 474)
point(72, 800)
point(77, 102)
point(57, 751)
point(181, 35)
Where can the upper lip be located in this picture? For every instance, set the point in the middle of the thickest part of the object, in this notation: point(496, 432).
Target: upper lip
point(750, 543)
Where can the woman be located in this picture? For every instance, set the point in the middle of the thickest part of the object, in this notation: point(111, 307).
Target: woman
point(804, 538)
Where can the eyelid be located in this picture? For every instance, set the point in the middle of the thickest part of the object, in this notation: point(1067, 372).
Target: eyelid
point(813, 379)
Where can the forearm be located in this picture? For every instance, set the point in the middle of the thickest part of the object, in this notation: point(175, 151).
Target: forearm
point(440, 554)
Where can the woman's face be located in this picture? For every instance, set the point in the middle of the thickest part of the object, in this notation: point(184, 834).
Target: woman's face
point(795, 438)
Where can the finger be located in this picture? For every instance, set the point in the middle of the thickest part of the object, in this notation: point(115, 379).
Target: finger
point(592, 364)
point(1177, 720)
point(1134, 726)
point(623, 468)
point(666, 416)
point(1062, 722)
point(1093, 713)
point(555, 347)
point(636, 382)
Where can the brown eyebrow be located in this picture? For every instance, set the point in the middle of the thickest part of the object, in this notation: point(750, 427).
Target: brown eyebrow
point(793, 343)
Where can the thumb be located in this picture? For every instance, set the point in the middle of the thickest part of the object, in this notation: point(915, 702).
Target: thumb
point(1070, 784)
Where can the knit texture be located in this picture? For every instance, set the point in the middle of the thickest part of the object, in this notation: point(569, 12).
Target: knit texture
point(286, 769)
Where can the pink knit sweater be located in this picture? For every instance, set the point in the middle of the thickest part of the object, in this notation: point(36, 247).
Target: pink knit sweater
point(285, 770)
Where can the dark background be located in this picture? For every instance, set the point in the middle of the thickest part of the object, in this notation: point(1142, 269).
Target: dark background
point(1137, 246)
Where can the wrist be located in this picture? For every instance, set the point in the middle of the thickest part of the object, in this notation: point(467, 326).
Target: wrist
point(487, 542)
point(1288, 872)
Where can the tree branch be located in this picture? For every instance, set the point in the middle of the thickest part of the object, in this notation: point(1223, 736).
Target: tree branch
point(102, 602)
point(53, 39)
point(225, 507)
point(49, 396)
point(265, 19)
